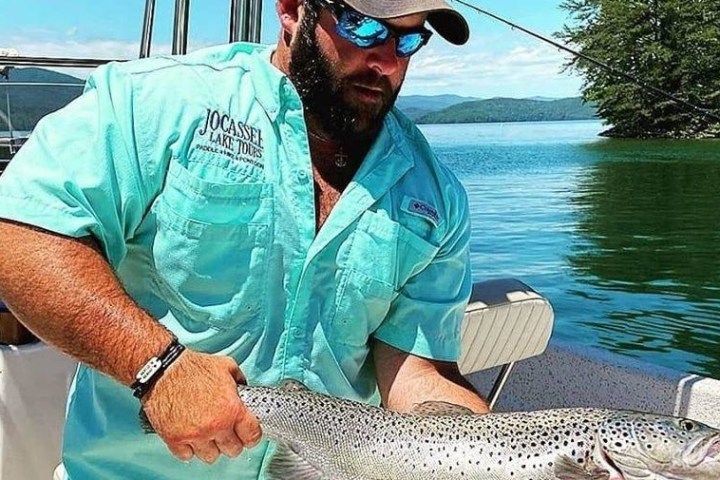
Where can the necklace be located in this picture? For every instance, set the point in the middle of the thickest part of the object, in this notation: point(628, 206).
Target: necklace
point(340, 158)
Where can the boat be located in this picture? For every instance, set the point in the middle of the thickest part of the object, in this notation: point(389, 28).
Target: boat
point(508, 351)
point(508, 354)
point(9, 145)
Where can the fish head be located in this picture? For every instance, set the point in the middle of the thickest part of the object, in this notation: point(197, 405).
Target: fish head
point(638, 446)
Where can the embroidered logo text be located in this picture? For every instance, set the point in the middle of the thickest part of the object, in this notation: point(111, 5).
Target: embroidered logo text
point(232, 138)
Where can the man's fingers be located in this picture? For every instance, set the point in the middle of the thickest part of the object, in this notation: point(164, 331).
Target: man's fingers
point(208, 452)
point(229, 444)
point(204, 419)
point(247, 428)
point(182, 451)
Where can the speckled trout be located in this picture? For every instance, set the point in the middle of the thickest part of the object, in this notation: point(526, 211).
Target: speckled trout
point(326, 438)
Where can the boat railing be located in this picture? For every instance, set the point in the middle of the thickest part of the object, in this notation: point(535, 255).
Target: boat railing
point(245, 25)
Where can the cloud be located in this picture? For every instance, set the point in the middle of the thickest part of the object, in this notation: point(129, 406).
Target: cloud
point(480, 69)
point(98, 49)
point(70, 32)
point(520, 70)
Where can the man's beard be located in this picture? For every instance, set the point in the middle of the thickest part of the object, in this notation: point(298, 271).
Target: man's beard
point(323, 94)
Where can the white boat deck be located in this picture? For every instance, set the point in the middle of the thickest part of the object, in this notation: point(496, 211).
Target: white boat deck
point(567, 375)
point(34, 381)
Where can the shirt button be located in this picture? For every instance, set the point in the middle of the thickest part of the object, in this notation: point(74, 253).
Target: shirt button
point(288, 88)
point(302, 176)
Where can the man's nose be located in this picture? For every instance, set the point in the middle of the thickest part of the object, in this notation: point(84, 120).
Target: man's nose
point(383, 58)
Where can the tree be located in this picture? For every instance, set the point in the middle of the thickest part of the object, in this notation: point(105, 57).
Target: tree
point(673, 45)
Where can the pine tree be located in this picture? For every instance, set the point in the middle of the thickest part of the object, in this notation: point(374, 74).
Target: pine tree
point(673, 45)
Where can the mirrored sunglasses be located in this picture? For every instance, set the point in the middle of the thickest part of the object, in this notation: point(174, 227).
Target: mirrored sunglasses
point(367, 32)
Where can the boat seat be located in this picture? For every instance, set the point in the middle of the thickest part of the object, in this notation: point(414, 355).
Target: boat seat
point(505, 321)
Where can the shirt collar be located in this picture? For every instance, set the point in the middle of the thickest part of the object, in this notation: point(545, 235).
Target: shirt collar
point(269, 82)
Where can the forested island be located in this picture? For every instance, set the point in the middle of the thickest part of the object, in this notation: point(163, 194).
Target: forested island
point(644, 48)
point(512, 110)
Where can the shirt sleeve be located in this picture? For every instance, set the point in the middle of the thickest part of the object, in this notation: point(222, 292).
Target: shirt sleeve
point(78, 174)
point(426, 316)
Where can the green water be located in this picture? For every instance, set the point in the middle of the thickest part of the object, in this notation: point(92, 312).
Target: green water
point(621, 236)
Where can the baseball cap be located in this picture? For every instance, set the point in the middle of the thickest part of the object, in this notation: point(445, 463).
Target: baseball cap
point(444, 19)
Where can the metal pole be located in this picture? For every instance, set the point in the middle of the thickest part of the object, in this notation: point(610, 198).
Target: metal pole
point(244, 20)
point(180, 28)
point(255, 21)
point(55, 62)
point(7, 102)
point(147, 28)
point(235, 19)
point(499, 384)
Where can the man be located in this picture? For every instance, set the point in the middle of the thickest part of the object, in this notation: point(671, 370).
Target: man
point(200, 197)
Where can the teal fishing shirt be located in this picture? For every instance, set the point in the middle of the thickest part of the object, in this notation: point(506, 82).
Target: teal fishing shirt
point(194, 175)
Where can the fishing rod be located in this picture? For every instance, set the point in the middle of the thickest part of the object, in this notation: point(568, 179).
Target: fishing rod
point(705, 111)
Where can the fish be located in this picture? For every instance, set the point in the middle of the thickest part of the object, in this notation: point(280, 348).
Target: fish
point(320, 437)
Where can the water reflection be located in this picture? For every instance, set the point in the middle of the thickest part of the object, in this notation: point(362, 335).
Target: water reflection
point(620, 236)
point(648, 229)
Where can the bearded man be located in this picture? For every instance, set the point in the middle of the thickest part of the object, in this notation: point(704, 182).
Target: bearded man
point(240, 214)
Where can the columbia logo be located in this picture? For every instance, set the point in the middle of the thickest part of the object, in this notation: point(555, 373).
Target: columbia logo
point(423, 209)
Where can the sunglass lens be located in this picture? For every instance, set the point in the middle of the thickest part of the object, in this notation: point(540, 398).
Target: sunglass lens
point(409, 43)
point(361, 30)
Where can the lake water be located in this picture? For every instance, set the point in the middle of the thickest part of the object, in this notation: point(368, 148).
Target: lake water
point(621, 236)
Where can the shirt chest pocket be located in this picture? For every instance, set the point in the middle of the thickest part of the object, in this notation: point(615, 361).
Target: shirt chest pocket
point(380, 257)
point(211, 249)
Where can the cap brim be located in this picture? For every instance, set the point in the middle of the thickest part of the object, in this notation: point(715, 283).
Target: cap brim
point(444, 19)
point(450, 25)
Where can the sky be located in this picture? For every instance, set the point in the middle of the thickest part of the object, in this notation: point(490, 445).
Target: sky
point(497, 61)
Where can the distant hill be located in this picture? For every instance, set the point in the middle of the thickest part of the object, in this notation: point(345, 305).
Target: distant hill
point(416, 106)
point(512, 110)
point(542, 99)
point(28, 103)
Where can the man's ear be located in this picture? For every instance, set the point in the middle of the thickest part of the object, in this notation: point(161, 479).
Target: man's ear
point(289, 15)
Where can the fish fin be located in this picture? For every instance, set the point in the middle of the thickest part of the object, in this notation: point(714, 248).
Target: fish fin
point(291, 385)
point(429, 409)
point(286, 464)
point(567, 469)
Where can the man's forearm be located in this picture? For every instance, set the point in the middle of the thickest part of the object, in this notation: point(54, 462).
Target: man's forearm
point(64, 290)
point(407, 380)
point(431, 385)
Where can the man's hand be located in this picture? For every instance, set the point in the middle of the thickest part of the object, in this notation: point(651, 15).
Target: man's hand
point(196, 410)
point(85, 312)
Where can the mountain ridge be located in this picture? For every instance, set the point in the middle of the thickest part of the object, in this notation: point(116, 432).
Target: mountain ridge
point(501, 109)
point(29, 104)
